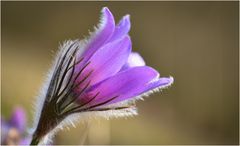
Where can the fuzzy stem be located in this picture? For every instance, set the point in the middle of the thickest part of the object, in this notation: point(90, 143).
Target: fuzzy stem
point(48, 121)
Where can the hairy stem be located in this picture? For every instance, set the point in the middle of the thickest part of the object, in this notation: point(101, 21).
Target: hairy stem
point(48, 121)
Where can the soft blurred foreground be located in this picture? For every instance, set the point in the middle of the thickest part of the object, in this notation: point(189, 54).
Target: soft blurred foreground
point(195, 42)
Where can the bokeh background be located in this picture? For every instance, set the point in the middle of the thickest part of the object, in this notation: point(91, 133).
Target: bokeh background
point(195, 42)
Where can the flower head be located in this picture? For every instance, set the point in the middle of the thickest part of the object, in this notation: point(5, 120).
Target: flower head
point(100, 74)
point(12, 130)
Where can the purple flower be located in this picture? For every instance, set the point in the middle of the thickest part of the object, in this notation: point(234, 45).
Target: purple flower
point(99, 74)
point(114, 73)
point(13, 130)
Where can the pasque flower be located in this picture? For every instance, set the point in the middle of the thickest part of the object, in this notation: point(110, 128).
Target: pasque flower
point(96, 76)
point(13, 131)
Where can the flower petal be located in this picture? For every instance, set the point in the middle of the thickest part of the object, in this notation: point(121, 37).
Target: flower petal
point(122, 28)
point(158, 84)
point(134, 60)
point(18, 119)
point(102, 35)
point(125, 84)
point(108, 60)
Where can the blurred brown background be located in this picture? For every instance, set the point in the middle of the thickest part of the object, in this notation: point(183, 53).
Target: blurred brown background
point(195, 42)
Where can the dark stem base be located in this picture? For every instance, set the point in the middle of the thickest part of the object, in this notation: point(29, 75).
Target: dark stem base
point(34, 141)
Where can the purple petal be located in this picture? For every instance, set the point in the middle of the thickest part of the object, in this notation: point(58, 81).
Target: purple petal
point(18, 119)
point(134, 60)
point(108, 60)
point(126, 84)
point(101, 36)
point(122, 28)
point(159, 84)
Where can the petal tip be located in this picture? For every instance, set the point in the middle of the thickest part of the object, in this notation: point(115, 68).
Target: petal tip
point(125, 22)
point(107, 18)
point(127, 17)
point(106, 11)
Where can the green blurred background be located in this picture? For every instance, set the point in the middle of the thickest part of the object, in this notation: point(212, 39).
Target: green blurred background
point(195, 42)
